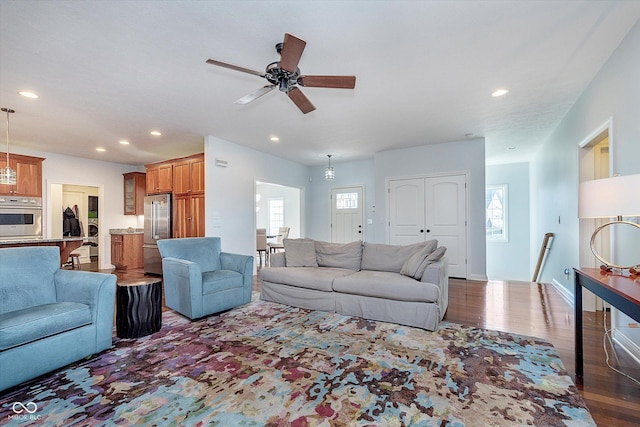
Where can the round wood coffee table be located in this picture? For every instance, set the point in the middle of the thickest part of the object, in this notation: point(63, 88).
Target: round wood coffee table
point(138, 307)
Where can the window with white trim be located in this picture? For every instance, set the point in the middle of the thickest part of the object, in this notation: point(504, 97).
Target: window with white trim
point(276, 215)
point(497, 213)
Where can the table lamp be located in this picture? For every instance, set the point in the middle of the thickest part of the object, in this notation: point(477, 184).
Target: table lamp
point(607, 198)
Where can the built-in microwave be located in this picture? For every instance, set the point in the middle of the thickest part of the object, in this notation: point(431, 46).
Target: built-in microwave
point(20, 217)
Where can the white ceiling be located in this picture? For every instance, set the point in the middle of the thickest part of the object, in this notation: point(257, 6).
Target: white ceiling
point(112, 70)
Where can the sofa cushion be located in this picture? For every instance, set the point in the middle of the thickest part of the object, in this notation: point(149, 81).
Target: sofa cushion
point(434, 256)
point(384, 284)
point(381, 257)
point(320, 279)
point(300, 252)
point(219, 280)
point(411, 265)
point(30, 324)
point(339, 255)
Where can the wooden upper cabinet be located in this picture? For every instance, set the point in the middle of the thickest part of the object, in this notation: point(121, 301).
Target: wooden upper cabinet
point(28, 175)
point(159, 178)
point(188, 175)
point(134, 192)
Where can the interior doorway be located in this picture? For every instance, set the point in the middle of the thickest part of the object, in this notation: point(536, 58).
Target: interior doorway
point(594, 163)
point(84, 202)
point(277, 206)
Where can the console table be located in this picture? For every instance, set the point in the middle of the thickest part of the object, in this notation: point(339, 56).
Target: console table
point(622, 292)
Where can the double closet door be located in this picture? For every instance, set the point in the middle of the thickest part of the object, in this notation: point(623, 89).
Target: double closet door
point(429, 208)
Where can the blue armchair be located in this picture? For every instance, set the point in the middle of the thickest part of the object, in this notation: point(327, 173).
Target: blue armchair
point(199, 279)
point(49, 317)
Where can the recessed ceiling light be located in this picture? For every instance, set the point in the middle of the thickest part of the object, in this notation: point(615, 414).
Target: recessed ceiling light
point(124, 142)
point(155, 133)
point(28, 94)
point(274, 139)
point(500, 92)
point(100, 149)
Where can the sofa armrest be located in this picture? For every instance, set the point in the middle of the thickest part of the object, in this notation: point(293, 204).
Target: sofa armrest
point(98, 290)
point(438, 274)
point(182, 281)
point(277, 259)
point(243, 264)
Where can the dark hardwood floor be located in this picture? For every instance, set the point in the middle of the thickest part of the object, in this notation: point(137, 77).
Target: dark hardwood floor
point(539, 310)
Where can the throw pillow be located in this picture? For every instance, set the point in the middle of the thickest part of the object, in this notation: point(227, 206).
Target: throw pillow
point(433, 257)
point(339, 255)
point(299, 253)
point(383, 257)
point(411, 265)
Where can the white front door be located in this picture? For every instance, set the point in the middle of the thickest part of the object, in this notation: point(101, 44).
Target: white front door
point(446, 219)
point(347, 214)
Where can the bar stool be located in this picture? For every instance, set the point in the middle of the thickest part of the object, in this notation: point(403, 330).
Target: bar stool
point(75, 261)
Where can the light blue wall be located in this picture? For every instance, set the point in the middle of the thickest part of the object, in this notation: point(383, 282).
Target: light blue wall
point(614, 93)
point(510, 260)
point(230, 197)
point(347, 174)
point(433, 159)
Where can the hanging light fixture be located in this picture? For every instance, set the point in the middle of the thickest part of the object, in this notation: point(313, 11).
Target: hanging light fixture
point(329, 173)
point(7, 175)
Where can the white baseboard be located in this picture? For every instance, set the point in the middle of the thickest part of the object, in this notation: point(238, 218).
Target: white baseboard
point(564, 293)
point(478, 277)
point(626, 343)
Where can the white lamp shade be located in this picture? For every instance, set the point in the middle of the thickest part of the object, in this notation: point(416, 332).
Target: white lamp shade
point(609, 197)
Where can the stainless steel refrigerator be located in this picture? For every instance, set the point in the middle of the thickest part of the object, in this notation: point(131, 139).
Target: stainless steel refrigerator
point(157, 225)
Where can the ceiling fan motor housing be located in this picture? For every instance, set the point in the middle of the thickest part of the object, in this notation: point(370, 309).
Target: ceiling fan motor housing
point(280, 77)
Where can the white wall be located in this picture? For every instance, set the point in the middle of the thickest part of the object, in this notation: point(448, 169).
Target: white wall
point(615, 93)
point(230, 198)
point(60, 169)
point(347, 174)
point(426, 160)
point(510, 260)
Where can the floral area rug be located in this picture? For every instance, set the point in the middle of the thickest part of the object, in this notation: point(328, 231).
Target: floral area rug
point(270, 364)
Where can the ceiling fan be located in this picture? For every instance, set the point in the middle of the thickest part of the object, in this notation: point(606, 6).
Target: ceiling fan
point(286, 76)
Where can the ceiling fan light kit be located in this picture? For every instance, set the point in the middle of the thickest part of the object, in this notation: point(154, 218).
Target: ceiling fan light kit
point(286, 76)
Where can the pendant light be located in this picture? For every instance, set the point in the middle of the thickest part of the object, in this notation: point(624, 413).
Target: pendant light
point(7, 175)
point(329, 173)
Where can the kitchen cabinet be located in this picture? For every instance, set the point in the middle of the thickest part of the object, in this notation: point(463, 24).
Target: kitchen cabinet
point(126, 250)
point(28, 175)
point(188, 216)
point(135, 188)
point(159, 178)
point(188, 175)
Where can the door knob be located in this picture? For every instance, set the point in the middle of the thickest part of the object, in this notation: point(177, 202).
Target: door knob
point(421, 230)
point(428, 231)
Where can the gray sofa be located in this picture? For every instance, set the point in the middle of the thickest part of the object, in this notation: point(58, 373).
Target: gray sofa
point(407, 285)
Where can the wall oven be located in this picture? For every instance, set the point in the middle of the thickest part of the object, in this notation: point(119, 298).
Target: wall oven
point(20, 218)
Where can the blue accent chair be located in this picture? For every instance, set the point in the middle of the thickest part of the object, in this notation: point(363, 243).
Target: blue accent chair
point(49, 317)
point(199, 279)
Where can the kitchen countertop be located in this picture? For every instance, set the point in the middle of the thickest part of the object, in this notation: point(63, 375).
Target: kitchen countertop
point(126, 231)
point(22, 241)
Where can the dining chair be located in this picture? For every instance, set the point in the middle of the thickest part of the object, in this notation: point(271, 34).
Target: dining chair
point(261, 244)
point(283, 233)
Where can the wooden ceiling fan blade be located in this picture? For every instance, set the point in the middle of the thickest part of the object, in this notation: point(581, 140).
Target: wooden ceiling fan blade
point(234, 67)
point(337, 82)
point(300, 100)
point(255, 95)
point(291, 52)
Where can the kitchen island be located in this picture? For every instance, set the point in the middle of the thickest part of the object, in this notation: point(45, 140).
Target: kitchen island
point(66, 245)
